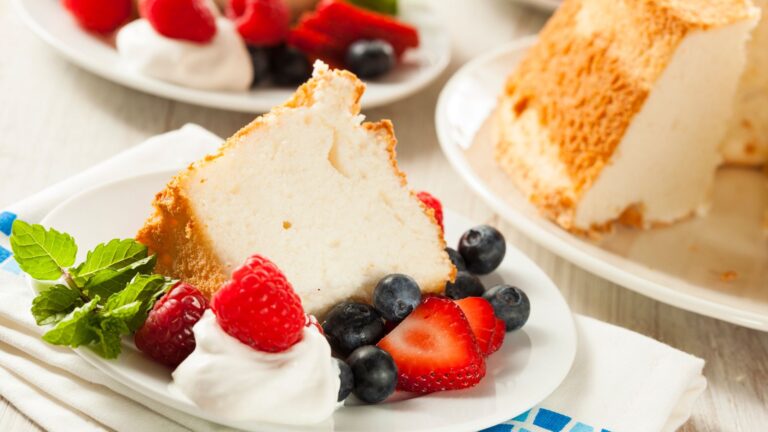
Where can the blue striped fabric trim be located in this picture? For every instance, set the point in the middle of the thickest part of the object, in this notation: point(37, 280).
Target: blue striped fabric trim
point(6, 222)
point(4, 254)
point(543, 420)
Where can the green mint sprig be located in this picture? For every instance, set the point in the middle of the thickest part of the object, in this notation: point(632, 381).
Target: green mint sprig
point(96, 302)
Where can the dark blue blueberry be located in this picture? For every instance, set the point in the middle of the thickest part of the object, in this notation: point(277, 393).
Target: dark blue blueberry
point(260, 61)
point(396, 296)
point(350, 325)
point(510, 304)
point(456, 259)
point(289, 66)
point(347, 380)
point(370, 58)
point(483, 248)
point(465, 285)
point(375, 373)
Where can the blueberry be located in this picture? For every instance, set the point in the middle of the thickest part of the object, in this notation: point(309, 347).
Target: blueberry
point(396, 296)
point(483, 248)
point(370, 58)
point(347, 380)
point(456, 259)
point(509, 304)
point(260, 61)
point(350, 325)
point(465, 285)
point(375, 373)
point(290, 67)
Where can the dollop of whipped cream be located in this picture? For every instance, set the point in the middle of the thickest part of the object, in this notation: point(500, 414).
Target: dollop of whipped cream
point(228, 378)
point(221, 64)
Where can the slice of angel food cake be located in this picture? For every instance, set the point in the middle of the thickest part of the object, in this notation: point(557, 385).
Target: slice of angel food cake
point(618, 112)
point(313, 188)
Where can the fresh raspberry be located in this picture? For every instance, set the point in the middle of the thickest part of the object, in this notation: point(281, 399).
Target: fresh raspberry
point(100, 16)
point(433, 203)
point(259, 307)
point(260, 22)
point(189, 20)
point(166, 335)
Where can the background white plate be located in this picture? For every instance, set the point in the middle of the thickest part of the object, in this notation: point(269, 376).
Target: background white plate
point(530, 365)
point(684, 265)
point(49, 20)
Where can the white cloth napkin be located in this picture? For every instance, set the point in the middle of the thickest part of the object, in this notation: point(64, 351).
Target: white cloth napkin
point(621, 381)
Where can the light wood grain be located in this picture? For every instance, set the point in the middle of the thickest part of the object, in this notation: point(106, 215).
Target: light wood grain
point(56, 120)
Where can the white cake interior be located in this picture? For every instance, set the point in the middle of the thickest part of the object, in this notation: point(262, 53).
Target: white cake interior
point(666, 161)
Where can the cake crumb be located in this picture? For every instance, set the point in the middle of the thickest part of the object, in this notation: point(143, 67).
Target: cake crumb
point(729, 276)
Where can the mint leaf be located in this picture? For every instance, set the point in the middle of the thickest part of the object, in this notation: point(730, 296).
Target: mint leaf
point(108, 281)
point(43, 254)
point(115, 255)
point(108, 333)
point(76, 328)
point(143, 289)
point(53, 304)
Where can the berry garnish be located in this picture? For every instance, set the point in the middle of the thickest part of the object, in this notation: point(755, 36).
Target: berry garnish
point(100, 16)
point(510, 305)
point(483, 248)
point(347, 380)
point(166, 335)
point(456, 259)
point(465, 285)
point(260, 22)
point(433, 203)
point(371, 59)
point(260, 62)
point(395, 296)
point(259, 307)
point(350, 325)
point(289, 66)
point(434, 349)
point(189, 20)
point(498, 337)
point(375, 373)
point(482, 319)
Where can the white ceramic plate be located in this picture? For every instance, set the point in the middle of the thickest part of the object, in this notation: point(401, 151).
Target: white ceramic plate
point(530, 365)
point(49, 20)
point(686, 265)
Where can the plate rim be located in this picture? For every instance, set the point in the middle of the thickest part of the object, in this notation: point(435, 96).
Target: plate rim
point(233, 101)
point(622, 277)
point(105, 367)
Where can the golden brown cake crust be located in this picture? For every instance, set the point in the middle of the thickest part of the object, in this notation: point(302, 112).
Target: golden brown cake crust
point(588, 76)
point(183, 248)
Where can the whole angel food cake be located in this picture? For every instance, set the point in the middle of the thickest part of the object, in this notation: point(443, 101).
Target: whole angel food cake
point(618, 112)
point(312, 187)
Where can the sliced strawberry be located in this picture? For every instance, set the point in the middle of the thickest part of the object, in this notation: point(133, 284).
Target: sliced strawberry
point(346, 23)
point(434, 349)
point(481, 318)
point(498, 337)
point(316, 44)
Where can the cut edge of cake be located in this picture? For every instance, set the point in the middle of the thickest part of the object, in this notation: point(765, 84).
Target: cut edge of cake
point(569, 104)
point(184, 250)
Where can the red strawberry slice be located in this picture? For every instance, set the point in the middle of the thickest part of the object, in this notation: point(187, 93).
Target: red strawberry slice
point(260, 22)
point(498, 337)
point(180, 19)
point(434, 349)
point(316, 44)
point(481, 318)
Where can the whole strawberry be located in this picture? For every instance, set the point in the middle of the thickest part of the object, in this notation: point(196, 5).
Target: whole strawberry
point(259, 307)
point(433, 203)
point(100, 16)
point(260, 22)
point(166, 335)
point(190, 20)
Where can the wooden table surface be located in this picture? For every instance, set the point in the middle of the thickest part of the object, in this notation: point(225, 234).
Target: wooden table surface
point(56, 120)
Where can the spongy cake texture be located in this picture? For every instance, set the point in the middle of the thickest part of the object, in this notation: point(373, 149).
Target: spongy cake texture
point(572, 101)
point(311, 187)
